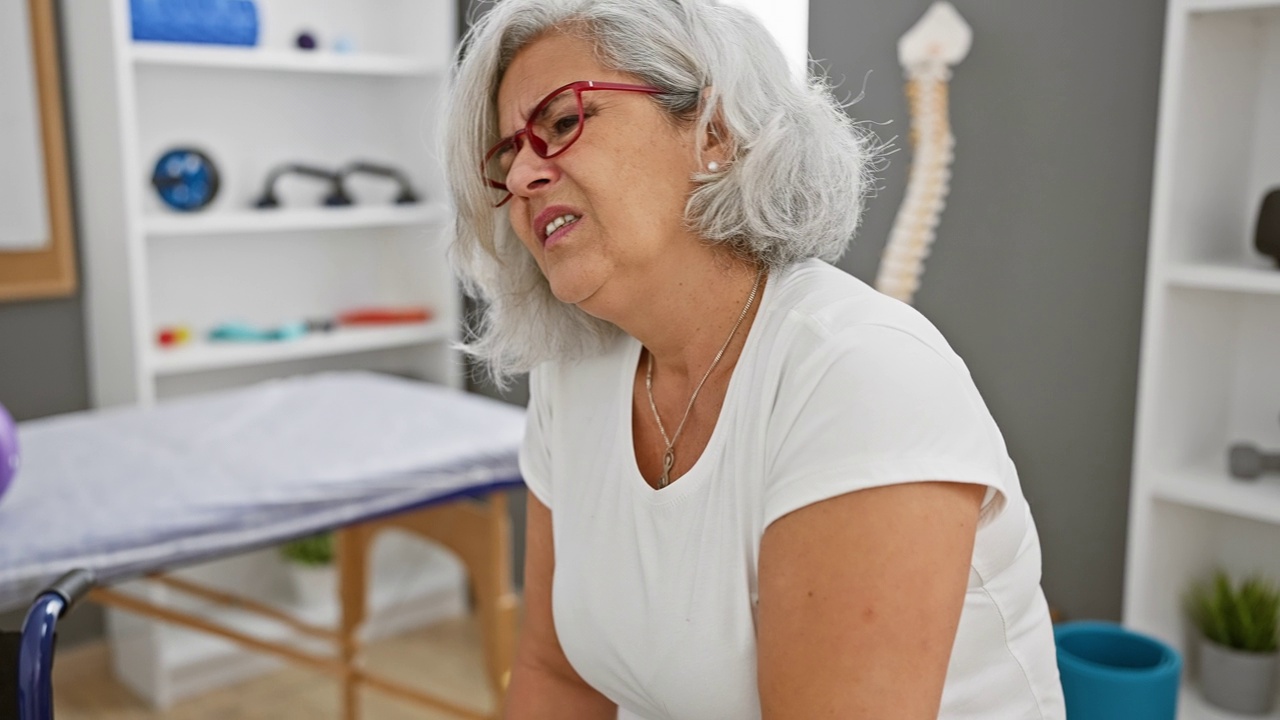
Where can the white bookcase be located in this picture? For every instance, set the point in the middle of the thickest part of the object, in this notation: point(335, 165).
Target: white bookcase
point(1210, 364)
point(146, 267)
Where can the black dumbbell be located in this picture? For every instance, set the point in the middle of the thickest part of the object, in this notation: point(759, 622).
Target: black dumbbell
point(336, 197)
point(1248, 462)
point(407, 194)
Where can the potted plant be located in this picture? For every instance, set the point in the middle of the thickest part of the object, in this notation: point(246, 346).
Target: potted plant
point(311, 570)
point(1238, 649)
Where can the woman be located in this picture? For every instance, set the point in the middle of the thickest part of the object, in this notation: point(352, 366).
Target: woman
point(759, 488)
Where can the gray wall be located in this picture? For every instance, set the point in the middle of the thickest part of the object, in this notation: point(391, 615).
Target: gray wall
point(1037, 274)
point(42, 357)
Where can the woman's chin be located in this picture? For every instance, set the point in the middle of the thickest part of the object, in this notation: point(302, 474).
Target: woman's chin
point(573, 290)
point(570, 294)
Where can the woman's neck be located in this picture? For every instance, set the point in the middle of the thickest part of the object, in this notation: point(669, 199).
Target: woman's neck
point(687, 311)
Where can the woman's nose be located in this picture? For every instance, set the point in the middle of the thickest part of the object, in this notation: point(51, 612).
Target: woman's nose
point(530, 174)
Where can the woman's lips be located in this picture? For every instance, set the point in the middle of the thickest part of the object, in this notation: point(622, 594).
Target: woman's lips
point(560, 233)
point(549, 214)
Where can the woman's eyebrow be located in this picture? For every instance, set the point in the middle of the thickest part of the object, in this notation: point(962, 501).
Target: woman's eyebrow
point(524, 119)
point(545, 109)
point(525, 114)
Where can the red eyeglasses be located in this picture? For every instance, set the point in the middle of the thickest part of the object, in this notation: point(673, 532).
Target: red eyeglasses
point(554, 125)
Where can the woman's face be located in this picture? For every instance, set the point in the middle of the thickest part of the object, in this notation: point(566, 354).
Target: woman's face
point(626, 180)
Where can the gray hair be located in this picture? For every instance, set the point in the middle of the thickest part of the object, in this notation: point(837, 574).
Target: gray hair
point(793, 189)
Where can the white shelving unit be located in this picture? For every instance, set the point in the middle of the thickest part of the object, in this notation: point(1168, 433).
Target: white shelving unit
point(1210, 367)
point(300, 220)
point(203, 356)
point(215, 56)
point(146, 267)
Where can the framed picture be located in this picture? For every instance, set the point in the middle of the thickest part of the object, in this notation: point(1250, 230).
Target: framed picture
point(37, 246)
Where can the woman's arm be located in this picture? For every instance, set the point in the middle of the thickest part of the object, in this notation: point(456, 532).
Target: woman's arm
point(860, 598)
point(544, 686)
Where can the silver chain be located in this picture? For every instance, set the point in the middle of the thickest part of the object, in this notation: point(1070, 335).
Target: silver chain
point(669, 456)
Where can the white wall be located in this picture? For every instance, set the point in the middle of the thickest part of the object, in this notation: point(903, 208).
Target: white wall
point(789, 22)
point(23, 213)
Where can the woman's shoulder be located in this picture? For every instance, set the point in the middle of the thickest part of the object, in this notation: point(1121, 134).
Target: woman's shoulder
point(820, 311)
point(863, 390)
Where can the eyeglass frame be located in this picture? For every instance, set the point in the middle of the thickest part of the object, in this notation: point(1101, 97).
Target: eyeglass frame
point(538, 144)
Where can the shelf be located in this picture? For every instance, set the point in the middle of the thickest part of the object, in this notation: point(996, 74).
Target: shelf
point(144, 267)
point(251, 221)
point(241, 58)
point(1216, 490)
point(1193, 707)
point(1222, 276)
point(1209, 340)
point(1206, 6)
point(202, 356)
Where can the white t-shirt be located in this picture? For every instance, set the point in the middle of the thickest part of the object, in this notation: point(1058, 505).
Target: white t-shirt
point(838, 388)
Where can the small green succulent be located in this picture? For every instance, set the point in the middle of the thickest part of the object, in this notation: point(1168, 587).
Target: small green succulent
point(1243, 617)
point(313, 551)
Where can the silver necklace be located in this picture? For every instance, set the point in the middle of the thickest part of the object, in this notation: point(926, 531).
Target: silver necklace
point(669, 456)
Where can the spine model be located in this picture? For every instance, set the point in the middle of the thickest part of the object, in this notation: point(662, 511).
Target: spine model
point(927, 52)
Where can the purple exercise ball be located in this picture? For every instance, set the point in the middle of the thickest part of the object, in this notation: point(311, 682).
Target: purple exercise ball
point(8, 450)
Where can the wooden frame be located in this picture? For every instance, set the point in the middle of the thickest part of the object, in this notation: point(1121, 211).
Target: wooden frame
point(478, 532)
point(50, 271)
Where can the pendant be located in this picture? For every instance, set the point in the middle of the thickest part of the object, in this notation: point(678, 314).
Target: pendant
point(668, 459)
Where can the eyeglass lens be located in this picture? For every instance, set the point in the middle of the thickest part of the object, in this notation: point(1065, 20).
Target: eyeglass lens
point(556, 124)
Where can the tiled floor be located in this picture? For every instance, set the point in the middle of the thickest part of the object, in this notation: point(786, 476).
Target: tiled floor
point(445, 659)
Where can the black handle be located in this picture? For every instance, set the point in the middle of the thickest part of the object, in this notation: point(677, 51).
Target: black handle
point(407, 194)
point(337, 194)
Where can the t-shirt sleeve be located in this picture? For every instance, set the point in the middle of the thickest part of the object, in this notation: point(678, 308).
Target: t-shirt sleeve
point(535, 454)
point(876, 406)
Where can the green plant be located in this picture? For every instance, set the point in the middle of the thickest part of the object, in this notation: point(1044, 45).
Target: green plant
point(1243, 617)
point(313, 551)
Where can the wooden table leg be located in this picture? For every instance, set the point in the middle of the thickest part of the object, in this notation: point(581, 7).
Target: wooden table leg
point(352, 545)
point(496, 602)
point(480, 534)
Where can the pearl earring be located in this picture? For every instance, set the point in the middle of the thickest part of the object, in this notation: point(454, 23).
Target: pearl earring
point(713, 166)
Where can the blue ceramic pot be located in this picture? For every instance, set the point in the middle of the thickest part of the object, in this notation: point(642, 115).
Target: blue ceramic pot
point(1110, 673)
